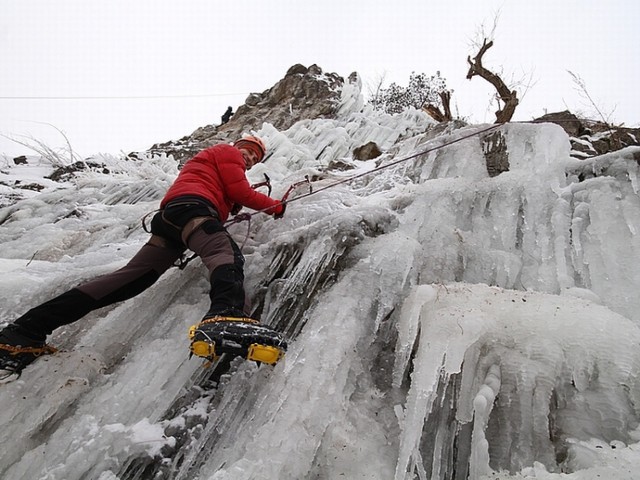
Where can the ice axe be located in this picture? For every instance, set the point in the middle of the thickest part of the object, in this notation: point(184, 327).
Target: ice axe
point(285, 198)
point(294, 186)
point(266, 183)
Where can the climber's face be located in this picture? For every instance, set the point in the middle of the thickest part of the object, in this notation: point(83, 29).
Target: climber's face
point(250, 157)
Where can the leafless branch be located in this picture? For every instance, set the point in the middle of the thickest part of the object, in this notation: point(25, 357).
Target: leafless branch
point(581, 87)
point(506, 95)
point(53, 156)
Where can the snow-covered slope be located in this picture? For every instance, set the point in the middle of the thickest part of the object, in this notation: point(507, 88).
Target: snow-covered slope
point(443, 323)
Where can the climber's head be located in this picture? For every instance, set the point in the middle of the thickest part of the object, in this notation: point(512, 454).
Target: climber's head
point(253, 150)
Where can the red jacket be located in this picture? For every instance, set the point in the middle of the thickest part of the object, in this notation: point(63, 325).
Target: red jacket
point(218, 175)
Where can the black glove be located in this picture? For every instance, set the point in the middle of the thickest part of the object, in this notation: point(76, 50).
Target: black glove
point(236, 209)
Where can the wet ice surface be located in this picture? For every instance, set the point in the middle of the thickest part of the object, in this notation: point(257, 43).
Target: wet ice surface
point(442, 323)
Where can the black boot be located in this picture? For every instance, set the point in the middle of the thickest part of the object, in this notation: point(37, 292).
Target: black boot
point(227, 292)
point(24, 341)
point(18, 349)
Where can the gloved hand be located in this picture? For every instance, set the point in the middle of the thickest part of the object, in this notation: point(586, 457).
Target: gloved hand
point(279, 210)
point(236, 209)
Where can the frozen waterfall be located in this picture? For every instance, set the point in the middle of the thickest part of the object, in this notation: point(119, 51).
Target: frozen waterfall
point(444, 324)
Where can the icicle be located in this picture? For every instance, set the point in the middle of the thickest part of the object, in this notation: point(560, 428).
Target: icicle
point(446, 332)
point(561, 220)
point(482, 406)
point(408, 328)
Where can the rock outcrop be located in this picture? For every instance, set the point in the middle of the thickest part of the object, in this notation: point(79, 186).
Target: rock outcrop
point(590, 138)
point(303, 93)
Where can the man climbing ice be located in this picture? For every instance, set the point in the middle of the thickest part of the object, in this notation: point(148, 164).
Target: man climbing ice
point(192, 215)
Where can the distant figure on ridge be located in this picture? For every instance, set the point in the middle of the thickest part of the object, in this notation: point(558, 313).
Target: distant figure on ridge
point(227, 115)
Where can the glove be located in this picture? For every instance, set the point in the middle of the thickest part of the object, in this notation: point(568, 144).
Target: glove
point(279, 210)
point(236, 209)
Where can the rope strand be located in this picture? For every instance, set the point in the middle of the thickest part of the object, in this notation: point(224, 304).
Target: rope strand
point(382, 167)
point(394, 163)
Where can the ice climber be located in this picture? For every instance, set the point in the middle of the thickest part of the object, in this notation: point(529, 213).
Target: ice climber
point(191, 215)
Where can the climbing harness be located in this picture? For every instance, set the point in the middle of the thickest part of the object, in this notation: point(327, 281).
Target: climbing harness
point(144, 219)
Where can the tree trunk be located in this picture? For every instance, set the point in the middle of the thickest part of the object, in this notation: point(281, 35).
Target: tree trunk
point(435, 112)
point(508, 96)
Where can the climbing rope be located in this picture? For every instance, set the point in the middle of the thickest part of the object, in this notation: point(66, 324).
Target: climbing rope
point(242, 217)
point(286, 200)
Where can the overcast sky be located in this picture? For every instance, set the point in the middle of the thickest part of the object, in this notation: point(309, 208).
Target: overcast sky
point(203, 55)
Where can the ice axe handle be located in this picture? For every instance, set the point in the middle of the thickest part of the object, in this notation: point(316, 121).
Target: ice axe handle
point(266, 183)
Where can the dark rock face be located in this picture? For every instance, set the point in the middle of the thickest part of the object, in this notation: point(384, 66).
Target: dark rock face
point(368, 151)
point(567, 120)
point(496, 154)
point(590, 138)
point(303, 93)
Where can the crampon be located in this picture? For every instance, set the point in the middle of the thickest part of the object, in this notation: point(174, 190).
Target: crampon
point(13, 359)
point(239, 337)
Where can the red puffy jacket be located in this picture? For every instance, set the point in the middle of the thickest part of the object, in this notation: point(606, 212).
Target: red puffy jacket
point(218, 175)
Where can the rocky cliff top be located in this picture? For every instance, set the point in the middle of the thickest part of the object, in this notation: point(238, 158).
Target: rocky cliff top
point(589, 137)
point(303, 93)
point(309, 93)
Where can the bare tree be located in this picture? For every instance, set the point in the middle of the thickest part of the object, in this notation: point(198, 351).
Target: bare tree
point(581, 87)
point(376, 89)
point(505, 94)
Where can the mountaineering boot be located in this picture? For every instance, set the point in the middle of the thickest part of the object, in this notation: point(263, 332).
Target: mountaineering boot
point(227, 292)
point(17, 350)
point(236, 336)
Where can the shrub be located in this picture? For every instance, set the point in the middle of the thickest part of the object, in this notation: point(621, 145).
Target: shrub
point(421, 91)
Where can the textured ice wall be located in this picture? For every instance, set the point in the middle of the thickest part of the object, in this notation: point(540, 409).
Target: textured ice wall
point(404, 363)
point(534, 373)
